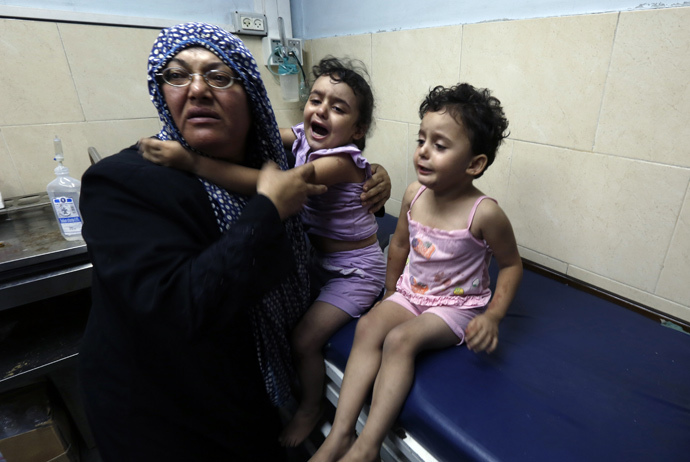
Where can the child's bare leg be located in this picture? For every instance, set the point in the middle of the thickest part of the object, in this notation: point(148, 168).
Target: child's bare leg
point(360, 372)
point(395, 377)
point(319, 323)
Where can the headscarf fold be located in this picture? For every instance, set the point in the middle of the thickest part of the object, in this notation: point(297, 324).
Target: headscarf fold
point(278, 312)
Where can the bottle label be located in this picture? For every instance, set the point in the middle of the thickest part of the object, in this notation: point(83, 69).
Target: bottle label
point(67, 215)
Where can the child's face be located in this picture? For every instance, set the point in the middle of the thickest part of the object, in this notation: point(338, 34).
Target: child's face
point(443, 153)
point(331, 114)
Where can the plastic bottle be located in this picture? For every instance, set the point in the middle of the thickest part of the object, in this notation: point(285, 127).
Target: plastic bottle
point(63, 192)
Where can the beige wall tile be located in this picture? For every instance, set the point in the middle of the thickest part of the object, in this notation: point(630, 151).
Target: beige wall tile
point(411, 171)
point(112, 136)
point(631, 293)
point(646, 106)
point(601, 213)
point(109, 69)
point(10, 182)
point(406, 64)
point(549, 73)
point(351, 46)
point(31, 148)
point(36, 83)
point(393, 207)
point(674, 282)
point(387, 145)
point(496, 180)
point(544, 260)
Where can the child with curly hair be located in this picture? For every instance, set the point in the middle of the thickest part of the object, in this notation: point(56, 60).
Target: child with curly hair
point(437, 280)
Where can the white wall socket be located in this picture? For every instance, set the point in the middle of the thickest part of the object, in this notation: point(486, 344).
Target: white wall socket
point(250, 23)
point(269, 44)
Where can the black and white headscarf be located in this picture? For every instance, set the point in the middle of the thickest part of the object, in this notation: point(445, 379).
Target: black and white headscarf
point(279, 311)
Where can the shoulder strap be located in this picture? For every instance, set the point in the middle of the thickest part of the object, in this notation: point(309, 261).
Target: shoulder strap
point(420, 191)
point(474, 209)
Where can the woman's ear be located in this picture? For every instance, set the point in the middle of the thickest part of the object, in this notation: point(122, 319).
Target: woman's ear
point(477, 164)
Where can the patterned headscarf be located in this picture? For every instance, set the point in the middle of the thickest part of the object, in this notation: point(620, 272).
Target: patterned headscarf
point(278, 311)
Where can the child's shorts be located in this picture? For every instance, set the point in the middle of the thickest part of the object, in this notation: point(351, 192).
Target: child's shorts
point(457, 318)
point(351, 280)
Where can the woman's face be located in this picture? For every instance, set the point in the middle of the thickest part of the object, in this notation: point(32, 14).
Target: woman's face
point(214, 121)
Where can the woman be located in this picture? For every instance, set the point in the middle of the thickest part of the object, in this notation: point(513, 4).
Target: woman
point(194, 289)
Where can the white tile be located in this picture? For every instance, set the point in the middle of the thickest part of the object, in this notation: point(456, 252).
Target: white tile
point(357, 47)
point(543, 260)
point(32, 151)
point(412, 136)
point(646, 106)
point(674, 282)
point(10, 181)
point(406, 64)
point(548, 73)
point(112, 136)
point(601, 213)
point(37, 86)
point(108, 66)
point(495, 181)
point(631, 293)
point(387, 145)
point(393, 207)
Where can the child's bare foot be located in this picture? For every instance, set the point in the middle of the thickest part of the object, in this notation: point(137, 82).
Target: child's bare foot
point(300, 427)
point(334, 447)
point(360, 454)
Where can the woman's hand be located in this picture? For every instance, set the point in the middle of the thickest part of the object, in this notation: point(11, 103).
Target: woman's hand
point(168, 153)
point(288, 190)
point(377, 189)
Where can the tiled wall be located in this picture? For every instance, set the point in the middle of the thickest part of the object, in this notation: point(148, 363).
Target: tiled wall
point(84, 83)
point(596, 173)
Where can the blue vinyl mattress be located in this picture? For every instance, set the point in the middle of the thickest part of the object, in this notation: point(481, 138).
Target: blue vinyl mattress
point(575, 378)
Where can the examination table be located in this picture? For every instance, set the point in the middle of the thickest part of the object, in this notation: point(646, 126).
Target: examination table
point(576, 377)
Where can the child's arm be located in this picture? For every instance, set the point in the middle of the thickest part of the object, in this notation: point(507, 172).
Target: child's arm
point(482, 332)
point(288, 137)
point(232, 177)
point(336, 168)
point(399, 246)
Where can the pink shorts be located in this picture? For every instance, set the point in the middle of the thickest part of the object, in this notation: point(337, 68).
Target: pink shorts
point(457, 318)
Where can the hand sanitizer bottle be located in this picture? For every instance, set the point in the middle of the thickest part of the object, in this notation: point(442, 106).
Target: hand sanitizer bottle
point(63, 192)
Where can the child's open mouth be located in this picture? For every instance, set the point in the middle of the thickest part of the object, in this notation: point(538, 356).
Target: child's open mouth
point(423, 170)
point(318, 129)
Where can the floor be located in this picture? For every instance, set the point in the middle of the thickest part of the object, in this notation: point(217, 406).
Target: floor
point(294, 455)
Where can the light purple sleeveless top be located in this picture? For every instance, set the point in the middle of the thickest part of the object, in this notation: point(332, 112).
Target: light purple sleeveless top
point(446, 268)
point(338, 213)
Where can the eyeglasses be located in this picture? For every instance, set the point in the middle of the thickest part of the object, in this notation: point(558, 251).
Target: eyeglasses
point(178, 77)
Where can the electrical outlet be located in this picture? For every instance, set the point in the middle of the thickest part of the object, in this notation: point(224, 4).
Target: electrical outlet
point(250, 23)
point(269, 44)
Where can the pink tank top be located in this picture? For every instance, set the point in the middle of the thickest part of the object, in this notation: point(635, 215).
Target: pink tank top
point(446, 268)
